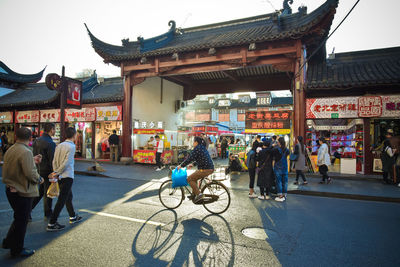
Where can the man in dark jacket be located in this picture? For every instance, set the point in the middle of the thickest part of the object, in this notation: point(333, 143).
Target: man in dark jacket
point(113, 140)
point(45, 146)
point(205, 166)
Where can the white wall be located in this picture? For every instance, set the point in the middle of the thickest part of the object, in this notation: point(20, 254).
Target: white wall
point(146, 104)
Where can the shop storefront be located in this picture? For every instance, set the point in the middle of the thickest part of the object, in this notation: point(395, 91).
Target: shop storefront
point(144, 151)
point(7, 125)
point(51, 115)
point(108, 118)
point(83, 121)
point(29, 119)
point(351, 127)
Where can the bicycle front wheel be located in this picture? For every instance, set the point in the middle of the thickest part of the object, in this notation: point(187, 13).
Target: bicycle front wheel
point(171, 198)
point(216, 197)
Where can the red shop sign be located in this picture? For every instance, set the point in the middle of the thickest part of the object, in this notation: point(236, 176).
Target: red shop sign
point(370, 106)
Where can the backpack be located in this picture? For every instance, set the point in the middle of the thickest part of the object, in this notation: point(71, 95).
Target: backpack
point(251, 160)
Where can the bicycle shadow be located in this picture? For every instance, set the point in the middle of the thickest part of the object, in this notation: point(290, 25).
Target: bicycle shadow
point(190, 242)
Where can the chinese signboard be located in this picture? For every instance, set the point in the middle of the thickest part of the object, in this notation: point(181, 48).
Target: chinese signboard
point(268, 119)
point(112, 113)
point(353, 107)
point(50, 115)
point(370, 106)
point(224, 103)
point(199, 128)
point(212, 129)
point(340, 107)
point(391, 106)
point(149, 156)
point(27, 116)
point(74, 93)
point(148, 131)
point(6, 117)
point(84, 114)
point(266, 131)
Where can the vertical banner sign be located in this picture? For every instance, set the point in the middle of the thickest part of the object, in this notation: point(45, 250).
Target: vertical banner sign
point(268, 119)
point(74, 93)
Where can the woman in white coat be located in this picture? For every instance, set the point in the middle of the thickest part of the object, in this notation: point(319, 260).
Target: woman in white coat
point(323, 161)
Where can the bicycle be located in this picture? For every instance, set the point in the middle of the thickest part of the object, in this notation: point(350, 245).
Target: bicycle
point(216, 195)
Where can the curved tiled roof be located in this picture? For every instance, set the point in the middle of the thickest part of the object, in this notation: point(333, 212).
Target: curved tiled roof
point(237, 32)
point(356, 69)
point(7, 75)
point(111, 90)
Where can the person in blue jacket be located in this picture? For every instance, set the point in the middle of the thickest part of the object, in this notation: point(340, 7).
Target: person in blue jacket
point(205, 166)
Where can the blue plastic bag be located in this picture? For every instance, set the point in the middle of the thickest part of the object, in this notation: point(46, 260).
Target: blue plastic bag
point(179, 177)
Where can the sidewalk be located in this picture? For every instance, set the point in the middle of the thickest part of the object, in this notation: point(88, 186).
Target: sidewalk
point(349, 187)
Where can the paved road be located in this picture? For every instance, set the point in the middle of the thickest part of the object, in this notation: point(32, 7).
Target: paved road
point(133, 229)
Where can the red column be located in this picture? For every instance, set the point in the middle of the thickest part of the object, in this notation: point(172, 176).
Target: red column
point(127, 119)
point(299, 118)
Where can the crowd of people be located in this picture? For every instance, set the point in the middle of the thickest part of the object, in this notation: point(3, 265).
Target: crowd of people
point(268, 160)
point(28, 174)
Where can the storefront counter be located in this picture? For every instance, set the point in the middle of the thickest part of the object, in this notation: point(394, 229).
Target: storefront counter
point(149, 156)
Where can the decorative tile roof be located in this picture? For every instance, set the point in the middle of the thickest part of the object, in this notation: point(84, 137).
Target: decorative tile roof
point(356, 69)
point(269, 27)
point(111, 90)
point(7, 75)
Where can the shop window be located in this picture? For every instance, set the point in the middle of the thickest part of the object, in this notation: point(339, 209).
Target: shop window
point(241, 114)
point(223, 115)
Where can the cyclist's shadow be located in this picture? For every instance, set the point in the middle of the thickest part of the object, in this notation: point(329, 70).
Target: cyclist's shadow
point(159, 247)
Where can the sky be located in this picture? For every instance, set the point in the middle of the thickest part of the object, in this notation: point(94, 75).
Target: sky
point(39, 33)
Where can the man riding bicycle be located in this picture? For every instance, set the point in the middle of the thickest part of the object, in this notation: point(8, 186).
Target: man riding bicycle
point(205, 166)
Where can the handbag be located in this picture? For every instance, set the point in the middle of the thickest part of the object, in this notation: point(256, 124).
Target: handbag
point(293, 157)
point(54, 190)
point(179, 177)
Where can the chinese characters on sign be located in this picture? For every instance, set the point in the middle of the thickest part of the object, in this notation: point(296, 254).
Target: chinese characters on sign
point(6, 117)
point(268, 119)
point(340, 107)
point(212, 129)
point(370, 106)
point(50, 115)
point(391, 106)
point(84, 114)
point(199, 128)
point(27, 116)
point(112, 113)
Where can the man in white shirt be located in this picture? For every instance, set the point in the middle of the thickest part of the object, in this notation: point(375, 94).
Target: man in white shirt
point(159, 146)
point(63, 166)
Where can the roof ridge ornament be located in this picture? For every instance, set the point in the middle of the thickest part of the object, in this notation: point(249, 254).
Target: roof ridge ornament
point(287, 10)
point(155, 42)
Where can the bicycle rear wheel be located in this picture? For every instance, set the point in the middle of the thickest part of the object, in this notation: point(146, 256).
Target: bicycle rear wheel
point(216, 197)
point(171, 198)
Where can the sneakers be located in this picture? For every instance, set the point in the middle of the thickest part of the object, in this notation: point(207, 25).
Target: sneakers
point(305, 183)
point(54, 227)
point(264, 197)
point(158, 169)
point(75, 219)
point(296, 183)
point(329, 180)
point(25, 252)
point(254, 195)
point(322, 182)
point(280, 199)
point(198, 198)
point(398, 185)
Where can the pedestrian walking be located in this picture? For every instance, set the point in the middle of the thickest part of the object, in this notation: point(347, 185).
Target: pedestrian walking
point(275, 142)
point(266, 176)
point(224, 146)
point(113, 141)
point(63, 166)
point(45, 146)
point(21, 178)
point(388, 161)
point(3, 142)
point(323, 160)
point(280, 154)
point(251, 166)
point(159, 146)
point(300, 163)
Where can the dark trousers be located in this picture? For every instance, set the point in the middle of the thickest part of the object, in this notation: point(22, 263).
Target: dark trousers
point(47, 202)
point(22, 207)
point(252, 175)
point(263, 190)
point(223, 153)
point(388, 176)
point(65, 198)
point(323, 169)
point(301, 174)
point(158, 160)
